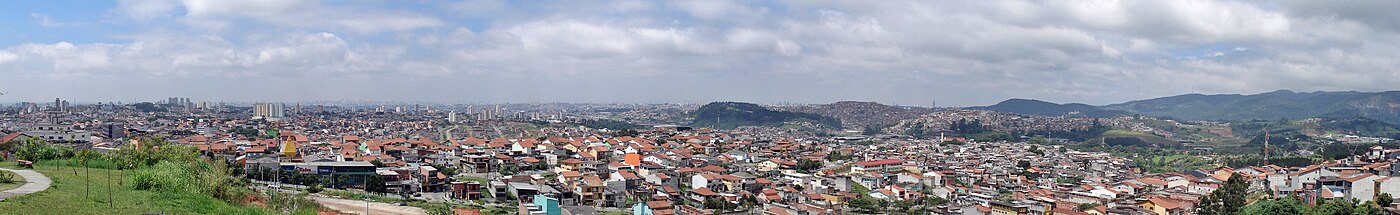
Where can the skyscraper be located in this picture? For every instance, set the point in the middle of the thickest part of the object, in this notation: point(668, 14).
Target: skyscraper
point(268, 110)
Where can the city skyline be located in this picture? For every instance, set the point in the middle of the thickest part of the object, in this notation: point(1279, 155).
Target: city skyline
point(893, 52)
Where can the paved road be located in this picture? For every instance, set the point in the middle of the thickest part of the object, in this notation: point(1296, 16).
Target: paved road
point(358, 206)
point(33, 183)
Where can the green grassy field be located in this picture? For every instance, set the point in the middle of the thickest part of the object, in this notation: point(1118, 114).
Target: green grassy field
point(1145, 137)
point(103, 191)
point(1173, 163)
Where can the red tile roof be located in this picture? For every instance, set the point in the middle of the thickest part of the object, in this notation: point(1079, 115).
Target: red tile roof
point(881, 162)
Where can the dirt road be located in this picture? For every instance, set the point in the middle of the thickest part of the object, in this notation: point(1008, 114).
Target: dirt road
point(358, 207)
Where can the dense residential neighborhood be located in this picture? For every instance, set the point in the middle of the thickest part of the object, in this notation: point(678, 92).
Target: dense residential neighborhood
point(498, 159)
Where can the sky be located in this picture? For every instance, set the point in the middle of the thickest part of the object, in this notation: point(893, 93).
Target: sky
point(955, 53)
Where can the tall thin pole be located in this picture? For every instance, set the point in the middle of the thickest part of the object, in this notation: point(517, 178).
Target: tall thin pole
point(366, 181)
point(109, 190)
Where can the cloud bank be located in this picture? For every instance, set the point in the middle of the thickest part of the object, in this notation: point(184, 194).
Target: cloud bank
point(901, 52)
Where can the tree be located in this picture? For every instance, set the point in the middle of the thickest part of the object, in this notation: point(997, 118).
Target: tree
point(375, 184)
point(865, 204)
point(1039, 140)
point(1384, 200)
point(1285, 205)
point(805, 165)
point(1226, 200)
point(870, 130)
point(625, 133)
point(1085, 206)
point(1367, 209)
point(1331, 207)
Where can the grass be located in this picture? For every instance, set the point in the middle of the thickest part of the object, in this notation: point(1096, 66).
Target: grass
point(858, 189)
point(87, 192)
point(1173, 163)
point(1150, 138)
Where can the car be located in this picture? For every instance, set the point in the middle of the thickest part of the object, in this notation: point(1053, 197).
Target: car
point(403, 203)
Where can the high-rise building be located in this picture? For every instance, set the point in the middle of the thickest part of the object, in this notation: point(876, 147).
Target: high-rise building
point(268, 110)
point(58, 105)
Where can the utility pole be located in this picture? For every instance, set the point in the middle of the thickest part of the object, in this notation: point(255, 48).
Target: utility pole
point(366, 181)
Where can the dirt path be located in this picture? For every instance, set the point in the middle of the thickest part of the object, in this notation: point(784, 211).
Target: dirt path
point(33, 183)
point(358, 207)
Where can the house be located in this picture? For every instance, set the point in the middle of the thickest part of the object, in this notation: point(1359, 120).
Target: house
point(590, 191)
point(702, 194)
point(1359, 187)
point(1307, 175)
point(1164, 206)
point(886, 165)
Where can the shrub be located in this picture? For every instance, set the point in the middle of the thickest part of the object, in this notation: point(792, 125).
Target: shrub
point(164, 176)
point(289, 203)
point(315, 188)
point(37, 150)
point(7, 177)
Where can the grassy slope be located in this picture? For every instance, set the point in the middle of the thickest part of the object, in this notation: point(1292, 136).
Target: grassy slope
point(1145, 137)
point(68, 195)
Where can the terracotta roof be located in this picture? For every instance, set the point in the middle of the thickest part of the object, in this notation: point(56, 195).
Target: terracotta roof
point(1163, 202)
point(570, 174)
point(592, 181)
point(777, 211)
point(571, 161)
point(704, 191)
point(9, 137)
point(881, 162)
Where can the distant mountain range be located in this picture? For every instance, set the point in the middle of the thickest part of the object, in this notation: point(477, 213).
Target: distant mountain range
point(729, 115)
point(1283, 104)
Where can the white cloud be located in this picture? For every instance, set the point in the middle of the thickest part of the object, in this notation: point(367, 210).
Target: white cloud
point(224, 14)
point(6, 56)
point(815, 51)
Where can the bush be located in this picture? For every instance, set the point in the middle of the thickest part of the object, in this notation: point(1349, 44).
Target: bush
point(7, 177)
point(152, 151)
point(164, 176)
point(315, 188)
point(289, 203)
point(203, 176)
point(38, 150)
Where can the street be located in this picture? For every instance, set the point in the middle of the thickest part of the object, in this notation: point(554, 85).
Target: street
point(358, 206)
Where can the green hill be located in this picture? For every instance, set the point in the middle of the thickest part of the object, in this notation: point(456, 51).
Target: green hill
point(730, 115)
point(1042, 108)
point(1133, 138)
point(1283, 104)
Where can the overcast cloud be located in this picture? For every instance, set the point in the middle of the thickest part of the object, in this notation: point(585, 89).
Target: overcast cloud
point(902, 52)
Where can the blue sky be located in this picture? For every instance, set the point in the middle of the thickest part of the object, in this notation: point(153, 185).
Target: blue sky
point(24, 21)
point(899, 52)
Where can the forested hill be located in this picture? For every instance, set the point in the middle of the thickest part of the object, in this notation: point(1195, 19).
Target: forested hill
point(730, 115)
